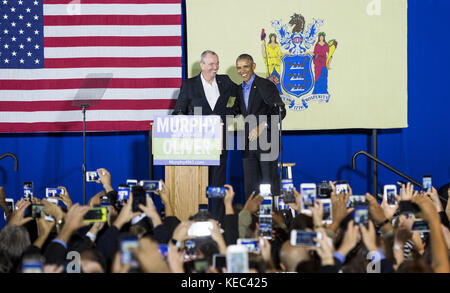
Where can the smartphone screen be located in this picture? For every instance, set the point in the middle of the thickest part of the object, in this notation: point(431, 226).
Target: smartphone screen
point(308, 192)
point(390, 191)
point(104, 201)
point(287, 185)
point(10, 205)
point(237, 259)
point(95, 215)
point(32, 265)
point(127, 256)
point(139, 197)
point(426, 183)
point(361, 216)
point(215, 192)
point(190, 250)
point(132, 182)
point(265, 226)
point(342, 188)
point(163, 249)
point(53, 192)
point(327, 211)
point(266, 206)
point(219, 261)
point(282, 205)
point(92, 176)
point(28, 190)
point(355, 199)
point(151, 185)
point(123, 193)
point(304, 238)
point(420, 226)
point(37, 210)
point(264, 190)
point(251, 244)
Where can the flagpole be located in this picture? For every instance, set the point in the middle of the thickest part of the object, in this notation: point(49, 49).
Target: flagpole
point(263, 38)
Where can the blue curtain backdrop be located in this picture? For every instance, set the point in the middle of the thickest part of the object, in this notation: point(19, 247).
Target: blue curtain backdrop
point(50, 160)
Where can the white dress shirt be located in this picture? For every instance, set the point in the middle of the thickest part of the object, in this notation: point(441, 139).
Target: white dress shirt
point(211, 91)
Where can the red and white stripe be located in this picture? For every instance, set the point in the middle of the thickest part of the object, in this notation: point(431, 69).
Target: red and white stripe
point(137, 41)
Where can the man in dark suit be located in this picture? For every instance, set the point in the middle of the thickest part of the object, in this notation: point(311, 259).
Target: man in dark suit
point(258, 97)
point(215, 95)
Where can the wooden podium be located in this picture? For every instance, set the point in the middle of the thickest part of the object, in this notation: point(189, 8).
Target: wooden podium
point(187, 185)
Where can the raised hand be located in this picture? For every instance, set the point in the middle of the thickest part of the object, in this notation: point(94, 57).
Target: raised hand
point(324, 250)
point(65, 198)
point(407, 192)
point(228, 200)
point(339, 207)
point(435, 198)
point(369, 237)
point(105, 179)
point(18, 215)
point(253, 203)
point(126, 214)
point(352, 237)
point(389, 210)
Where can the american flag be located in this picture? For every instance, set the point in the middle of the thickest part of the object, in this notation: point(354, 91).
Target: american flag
point(49, 47)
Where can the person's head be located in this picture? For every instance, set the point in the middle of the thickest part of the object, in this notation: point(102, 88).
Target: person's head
point(311, 265)
point(322, 37)
point(142, 228)
point(92, 261)
point(206, 247)
point(444, 192)
point(273, 38)
point(256, 264)
point(253, 228)
point(302, 222)
point(245, 67)
point(414, 266)
point(291, 256)
point(209, 63)
point(14, 240)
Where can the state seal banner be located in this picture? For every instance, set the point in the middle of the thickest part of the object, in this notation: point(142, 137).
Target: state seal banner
point(337, 64)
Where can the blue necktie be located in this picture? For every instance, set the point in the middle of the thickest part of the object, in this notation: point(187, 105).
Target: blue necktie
point(246, 90)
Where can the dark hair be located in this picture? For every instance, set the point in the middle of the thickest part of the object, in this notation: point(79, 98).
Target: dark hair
point(245, 56)
point(356, 261)
point(309, 266)
point(112, 196)
point(301, 222)
point(207, 246)
point(14, 240)
point(95, 256)
point(443, 194)
point(252, 227)
point(257, 262)
point(414, 266)
point(201, 216)
point(321, 34)
point(270, 38)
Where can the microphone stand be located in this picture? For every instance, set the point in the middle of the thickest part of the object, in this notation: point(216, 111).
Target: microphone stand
point(84, 106)
point(280, 147)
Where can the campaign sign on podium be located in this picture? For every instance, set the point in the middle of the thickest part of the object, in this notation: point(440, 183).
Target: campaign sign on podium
point(192, 140)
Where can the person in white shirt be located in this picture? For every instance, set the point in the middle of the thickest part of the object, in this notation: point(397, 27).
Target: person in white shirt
point(214, 94)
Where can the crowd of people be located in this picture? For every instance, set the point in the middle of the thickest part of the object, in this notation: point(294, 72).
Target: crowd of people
point(386, 244)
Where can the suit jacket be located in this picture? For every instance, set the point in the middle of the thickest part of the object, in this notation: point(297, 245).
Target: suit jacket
point(263, 97)
point(192, 95)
